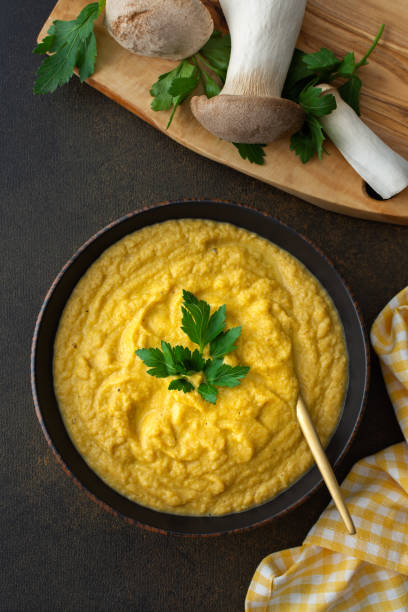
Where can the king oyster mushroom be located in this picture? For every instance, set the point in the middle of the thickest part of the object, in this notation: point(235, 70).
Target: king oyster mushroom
point(382, 168)
point(172, 29)
point(249, 108)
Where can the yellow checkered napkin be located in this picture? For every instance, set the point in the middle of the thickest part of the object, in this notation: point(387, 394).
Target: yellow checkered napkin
point(333, 570)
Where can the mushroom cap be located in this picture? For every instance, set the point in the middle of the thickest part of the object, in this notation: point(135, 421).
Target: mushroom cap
point(248, 119)
point(172, 29)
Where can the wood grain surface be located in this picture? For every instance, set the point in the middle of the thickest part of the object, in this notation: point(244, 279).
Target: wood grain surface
point(341, 26)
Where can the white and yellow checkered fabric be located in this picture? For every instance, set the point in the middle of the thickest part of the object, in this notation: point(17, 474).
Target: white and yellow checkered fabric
point(333, 570)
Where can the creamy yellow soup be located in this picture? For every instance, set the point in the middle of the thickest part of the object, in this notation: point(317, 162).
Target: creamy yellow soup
point(176, 452)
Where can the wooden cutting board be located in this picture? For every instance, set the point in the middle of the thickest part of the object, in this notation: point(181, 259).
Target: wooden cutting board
point(340, 26)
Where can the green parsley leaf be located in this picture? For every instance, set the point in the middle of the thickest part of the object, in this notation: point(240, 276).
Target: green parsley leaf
point(347, 66)
point(152, 357)
point(219, 373)
point(155, 360)
point(181, 384)
point(170, 360)
point(216, 324)
point(86, 58)
point(160, 90)
point(315, 104)
point(173, 87)
point(46, 44)
point(299, 75)
point(197, 323)
point(163, 362)
point(309, 140)
point(225, 343)
point(217, 51)
point(211, 88)
point(322, 63)
point(298, 69)
point(196, 314)
point(197, 361)
point(350, 92)
point(191, 362)
point(254, 153)
point(208, 392)
point(71, 43)
point(183, 85)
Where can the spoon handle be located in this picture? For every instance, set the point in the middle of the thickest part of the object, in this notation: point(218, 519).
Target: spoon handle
point(323, 464)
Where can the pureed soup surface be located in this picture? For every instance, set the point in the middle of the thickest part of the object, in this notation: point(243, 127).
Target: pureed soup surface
point(176, 452)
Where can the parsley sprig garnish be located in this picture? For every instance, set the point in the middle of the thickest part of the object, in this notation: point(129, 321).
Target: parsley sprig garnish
point(205, 330)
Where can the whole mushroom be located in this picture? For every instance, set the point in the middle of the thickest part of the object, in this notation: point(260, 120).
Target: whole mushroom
point(172, 29)
point(250, 108)
point(382, 168)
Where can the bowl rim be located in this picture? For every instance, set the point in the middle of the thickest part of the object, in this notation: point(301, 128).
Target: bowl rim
point(78, 252)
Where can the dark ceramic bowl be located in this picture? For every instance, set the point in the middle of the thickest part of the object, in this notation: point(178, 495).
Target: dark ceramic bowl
point(42, 358)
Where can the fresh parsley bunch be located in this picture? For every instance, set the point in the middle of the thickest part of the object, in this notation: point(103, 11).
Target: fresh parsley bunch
point(204, 329)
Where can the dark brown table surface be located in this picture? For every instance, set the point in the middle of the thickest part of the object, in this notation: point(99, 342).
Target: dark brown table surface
point(70, 163)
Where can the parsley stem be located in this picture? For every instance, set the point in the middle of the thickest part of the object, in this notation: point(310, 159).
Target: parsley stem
point(101, 4)
point(363, 60)
point(371, 49)
point(200, 72)
point(213, 68)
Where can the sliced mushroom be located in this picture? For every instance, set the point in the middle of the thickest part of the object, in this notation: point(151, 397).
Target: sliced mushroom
point(382, 168)
point(249, 108)
point(172, 29)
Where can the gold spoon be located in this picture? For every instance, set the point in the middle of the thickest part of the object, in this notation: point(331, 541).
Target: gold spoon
point(323, 464)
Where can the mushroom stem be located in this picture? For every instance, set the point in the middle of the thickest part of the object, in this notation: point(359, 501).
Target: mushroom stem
point(381, 167)
point(263, 38)
point(250, 108)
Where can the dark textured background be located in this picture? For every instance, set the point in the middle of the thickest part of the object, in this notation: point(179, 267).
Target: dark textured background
point(70, 163)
